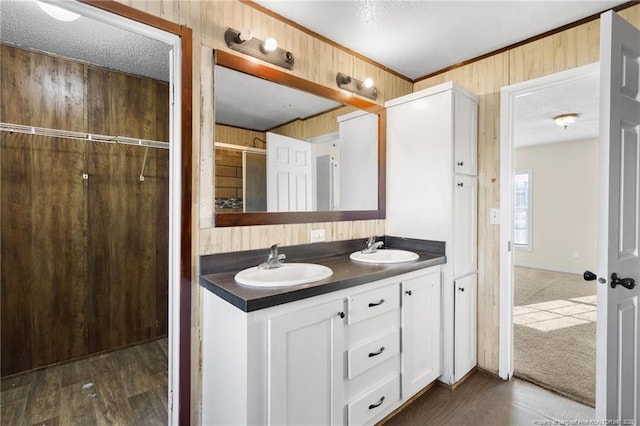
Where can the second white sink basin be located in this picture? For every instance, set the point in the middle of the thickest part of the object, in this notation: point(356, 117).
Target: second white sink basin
point(289, 274)
point(384, 256)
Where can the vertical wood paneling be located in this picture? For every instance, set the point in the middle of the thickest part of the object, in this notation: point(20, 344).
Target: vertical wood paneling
point(84, 262)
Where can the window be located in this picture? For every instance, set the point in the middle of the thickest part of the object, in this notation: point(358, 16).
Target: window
point(522, 212)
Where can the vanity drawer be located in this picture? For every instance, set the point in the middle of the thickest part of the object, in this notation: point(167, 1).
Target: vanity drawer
point(374, 403)
point(371, 303)
point(369, 354)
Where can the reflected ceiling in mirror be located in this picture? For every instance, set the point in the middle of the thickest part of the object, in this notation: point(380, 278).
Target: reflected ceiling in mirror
point(320, 151)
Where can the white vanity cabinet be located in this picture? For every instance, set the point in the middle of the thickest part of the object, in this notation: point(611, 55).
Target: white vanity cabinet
point(349, 357)
point(432, 195)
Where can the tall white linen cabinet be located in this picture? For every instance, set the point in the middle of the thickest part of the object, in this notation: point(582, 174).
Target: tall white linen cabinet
point(432, 194)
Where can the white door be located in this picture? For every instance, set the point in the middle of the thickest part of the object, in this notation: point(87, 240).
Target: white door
point(465, 201)
point(465, 347)
point(421, 343)
point(306, 367)
point(618, 320)
point(289, 174)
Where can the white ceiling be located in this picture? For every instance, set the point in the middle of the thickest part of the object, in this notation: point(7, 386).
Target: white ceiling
point(418, 37)
point(413, 38)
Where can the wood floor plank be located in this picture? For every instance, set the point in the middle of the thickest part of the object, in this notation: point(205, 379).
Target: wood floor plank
point(148, 408)
point(486, 400)
point(133, 373)
point(43, 401)
point(77, 404)
point(155, 361)
point(12, 405)
point(111, 407)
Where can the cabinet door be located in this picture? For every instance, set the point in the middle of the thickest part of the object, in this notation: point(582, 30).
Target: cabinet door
point(465, 135)
point(465, 231)
point(419, 156)
point(465, 325)
point(306, 367)
point(421, 337)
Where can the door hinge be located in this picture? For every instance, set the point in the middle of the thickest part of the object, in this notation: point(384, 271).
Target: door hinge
point(172, 94)
point(508, 245)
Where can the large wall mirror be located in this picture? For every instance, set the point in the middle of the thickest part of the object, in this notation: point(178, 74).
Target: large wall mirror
point(288, 150)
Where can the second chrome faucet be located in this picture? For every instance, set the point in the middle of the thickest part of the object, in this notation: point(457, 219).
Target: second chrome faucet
point(274, 260)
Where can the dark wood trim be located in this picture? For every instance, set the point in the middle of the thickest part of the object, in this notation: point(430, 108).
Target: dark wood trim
point(323, 39)
point(185, 34)
point(248, 219)
point(246, 66)
point(186, 217)
point(528, 40)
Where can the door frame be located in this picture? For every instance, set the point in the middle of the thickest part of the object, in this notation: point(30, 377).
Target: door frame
point(180, 186)
point(508, 96)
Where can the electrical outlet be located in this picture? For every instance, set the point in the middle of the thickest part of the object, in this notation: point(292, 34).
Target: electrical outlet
point(494, 216)
point(316, 235)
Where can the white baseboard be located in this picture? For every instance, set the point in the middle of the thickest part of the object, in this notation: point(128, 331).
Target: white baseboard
point(549, 268)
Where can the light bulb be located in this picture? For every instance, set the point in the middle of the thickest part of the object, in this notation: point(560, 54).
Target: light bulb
point(246, 34)
point(368, 82)
point(57, 12)
point(270, 44)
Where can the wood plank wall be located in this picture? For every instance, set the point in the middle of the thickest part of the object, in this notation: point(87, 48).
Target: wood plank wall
point(569, 49)
point(84, 262)
point(318, 61)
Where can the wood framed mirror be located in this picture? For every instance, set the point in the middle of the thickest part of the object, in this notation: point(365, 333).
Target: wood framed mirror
point(238, 217)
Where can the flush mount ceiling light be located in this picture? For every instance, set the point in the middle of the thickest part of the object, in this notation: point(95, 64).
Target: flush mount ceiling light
point(57, 12)
point(363, 88)
point(268, 50)
point(565, 120)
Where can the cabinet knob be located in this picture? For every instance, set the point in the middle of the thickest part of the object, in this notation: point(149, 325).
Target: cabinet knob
point(341, 314)
point(461, 289)
point(460, 184)
point(372, 304)
point(461, 163)
point(408, 293)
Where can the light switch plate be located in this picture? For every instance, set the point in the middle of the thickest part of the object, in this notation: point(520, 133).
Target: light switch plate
point(494, 216)
point(316, 235)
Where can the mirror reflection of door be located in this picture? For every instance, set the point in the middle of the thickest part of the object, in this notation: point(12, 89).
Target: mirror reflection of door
point(289, 174)
point(254, 181)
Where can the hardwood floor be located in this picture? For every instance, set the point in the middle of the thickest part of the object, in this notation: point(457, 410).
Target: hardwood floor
point(124, 387)
point(484, 399)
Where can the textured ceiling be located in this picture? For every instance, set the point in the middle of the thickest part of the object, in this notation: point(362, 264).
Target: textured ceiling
point(25, 25)
point(534, 112)
point(418, 37)
point(253, 103)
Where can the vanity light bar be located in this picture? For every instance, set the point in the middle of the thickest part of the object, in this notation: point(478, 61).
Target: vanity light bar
point(256, 48)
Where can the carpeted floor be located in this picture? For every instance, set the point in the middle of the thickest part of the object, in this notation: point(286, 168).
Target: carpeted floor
point(555, 332)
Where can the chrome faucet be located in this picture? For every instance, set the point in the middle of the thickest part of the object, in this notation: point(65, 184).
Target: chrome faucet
point(274, 260)
point(372, 245)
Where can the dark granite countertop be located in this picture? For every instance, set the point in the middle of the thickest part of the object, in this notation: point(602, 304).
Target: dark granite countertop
point(218, 271)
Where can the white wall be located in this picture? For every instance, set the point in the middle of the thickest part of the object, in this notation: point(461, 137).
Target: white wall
point(565, 178)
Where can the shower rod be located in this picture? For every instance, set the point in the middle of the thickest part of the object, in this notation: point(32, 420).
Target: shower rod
point(67, 134)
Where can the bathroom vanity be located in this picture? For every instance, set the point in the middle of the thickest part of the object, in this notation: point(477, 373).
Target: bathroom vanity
point(346, 350)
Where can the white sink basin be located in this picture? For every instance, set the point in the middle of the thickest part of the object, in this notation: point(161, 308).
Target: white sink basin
point(289, 274)
point(384, 256)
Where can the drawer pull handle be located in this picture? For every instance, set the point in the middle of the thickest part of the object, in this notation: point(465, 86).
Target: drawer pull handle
point(461, 163)
point(409, 293)
point(377, 404)
point(371, 305)
point(372, 354)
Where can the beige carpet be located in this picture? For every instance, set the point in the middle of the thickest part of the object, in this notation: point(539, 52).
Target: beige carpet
point(555, 332)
